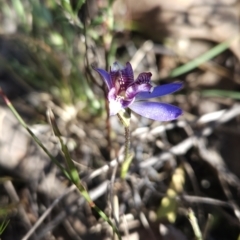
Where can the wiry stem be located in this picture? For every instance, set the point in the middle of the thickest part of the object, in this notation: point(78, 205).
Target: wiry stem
point(193, 220)
point(124, 117)
point(127, 143)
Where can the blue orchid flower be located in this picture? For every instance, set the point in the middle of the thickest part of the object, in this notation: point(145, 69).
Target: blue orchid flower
point(124, 92)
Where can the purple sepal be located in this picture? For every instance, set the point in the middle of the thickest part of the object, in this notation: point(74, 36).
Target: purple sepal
point(159, 91)
point(156, 110)
point(122, 77)
point(134, 89)
point(106, 77)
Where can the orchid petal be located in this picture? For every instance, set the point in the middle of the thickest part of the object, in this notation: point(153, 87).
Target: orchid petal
point(116, 105)
point(156, 111)
point(112, 94)
point(160, 91)
point(135, 88)
point(122, 77)
point(127, 103)
point(128, 73)
point(142, 84)
point(105, 76)
point(144, 77)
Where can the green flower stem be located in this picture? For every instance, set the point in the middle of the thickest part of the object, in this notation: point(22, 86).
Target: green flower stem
point(127, 155)
point(127, 143)
point(125, 117)
point(193, 221)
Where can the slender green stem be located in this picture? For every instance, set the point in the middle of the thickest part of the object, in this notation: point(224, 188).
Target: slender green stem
point(127, 156)
point(127, 143)
point(124, 117)
point(193, 220)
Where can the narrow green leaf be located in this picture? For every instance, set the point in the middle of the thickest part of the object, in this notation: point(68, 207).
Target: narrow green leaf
point(203, 58)
point(125, 166)
point(72, 171)
point(221, 93)
point(193, 221)
point(3, 225)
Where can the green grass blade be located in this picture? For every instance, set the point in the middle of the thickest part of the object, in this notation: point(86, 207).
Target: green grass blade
point(221, 93)
point(193, 221)
point(125, 166)
point(3, 225)
point(72, 171)
point(203, 58)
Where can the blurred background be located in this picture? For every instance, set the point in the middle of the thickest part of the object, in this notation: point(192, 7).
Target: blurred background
point(47, 51)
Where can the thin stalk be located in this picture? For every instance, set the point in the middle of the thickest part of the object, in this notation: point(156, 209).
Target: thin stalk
point(127, 143)
point(193, 221)
point(213, 52)
point(124, 117)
